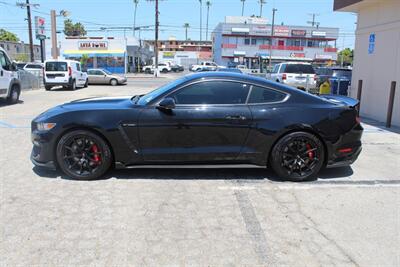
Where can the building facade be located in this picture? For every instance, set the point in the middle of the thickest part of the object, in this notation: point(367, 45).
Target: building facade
point(247, 41)
point(117, 55)
point(19, 51)
point(184, 52)
point(376, 55)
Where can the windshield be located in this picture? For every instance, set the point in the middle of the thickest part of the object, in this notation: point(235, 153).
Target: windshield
point(56, 66)
point(342, 73)
point(144, 100)
point(106, 72)
point(299, 68)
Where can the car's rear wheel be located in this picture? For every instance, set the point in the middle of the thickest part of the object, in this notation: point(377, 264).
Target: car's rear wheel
point(298, 156)
point(14, 95)
point(86, 83)
point(114, 82)
point(164, 71)
point(73, 85)
point(83, 155)
point(48, 87)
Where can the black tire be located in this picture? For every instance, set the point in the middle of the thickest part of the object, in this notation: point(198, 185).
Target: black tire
point(73, 85)
point(15, 92)
point(86, 83)
point(297, 157)
point(113, 82)
point(83, 155)
point(47, 87)
point(164, 71)
point(148, 71)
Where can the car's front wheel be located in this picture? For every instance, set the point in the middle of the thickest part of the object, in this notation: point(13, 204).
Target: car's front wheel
point(14, 95)
point(298, 156)
point(114, 82)
point(83, 155)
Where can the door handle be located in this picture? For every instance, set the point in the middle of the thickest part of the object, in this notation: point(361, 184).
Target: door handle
point(237, 117)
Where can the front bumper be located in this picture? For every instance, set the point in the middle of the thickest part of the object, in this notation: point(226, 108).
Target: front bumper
point(42, 154)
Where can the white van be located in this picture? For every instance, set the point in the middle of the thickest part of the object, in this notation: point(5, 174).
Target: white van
point(65, 73)
point(10, 86)
point(297, 74)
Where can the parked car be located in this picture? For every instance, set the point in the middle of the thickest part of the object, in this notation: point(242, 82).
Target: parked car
point(205, 66)
point(33, 66)
point(201, 119)
point(21, 65)
point(335, 74)
point(102, 76)
point(295, 74)
point(177, 68)
point(162, 67)
point(10, 85)
point(235, 70)
point(65, 73)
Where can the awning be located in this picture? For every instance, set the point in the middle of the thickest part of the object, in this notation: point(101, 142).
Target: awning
point(92, 53)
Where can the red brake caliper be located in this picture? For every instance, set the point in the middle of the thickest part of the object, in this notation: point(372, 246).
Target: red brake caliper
point(310, 153)
point(96, 157)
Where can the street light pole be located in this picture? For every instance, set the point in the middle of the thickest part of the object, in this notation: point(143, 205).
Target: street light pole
point(54, 52)
point(262, 2)
point(243, 6)
point(272, 38)
point(136, 2)
point(201, 20)
point(156, 42)
point(208, 4)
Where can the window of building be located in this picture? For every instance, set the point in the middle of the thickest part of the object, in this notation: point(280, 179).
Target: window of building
point(253, 41)
point(212, 92)
point(247, 41)
point(264, 95)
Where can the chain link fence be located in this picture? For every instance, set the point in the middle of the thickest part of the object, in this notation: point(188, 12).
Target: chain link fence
point(31, 80)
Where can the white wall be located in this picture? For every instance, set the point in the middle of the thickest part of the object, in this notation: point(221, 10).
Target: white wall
point(379, 69)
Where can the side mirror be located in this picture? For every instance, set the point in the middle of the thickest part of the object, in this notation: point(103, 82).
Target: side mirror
point(14, 66)
point(166, 104)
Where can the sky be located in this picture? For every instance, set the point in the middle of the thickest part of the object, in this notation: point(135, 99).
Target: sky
point(97, 14)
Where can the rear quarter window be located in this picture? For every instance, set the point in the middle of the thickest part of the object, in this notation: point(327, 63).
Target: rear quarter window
point(260, 95)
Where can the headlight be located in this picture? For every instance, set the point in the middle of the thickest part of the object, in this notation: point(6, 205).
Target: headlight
point(43, 126)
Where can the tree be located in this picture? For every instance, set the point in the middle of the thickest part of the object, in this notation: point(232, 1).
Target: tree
point(345, 57)
point(186, 26)
point(8, 36)
point(73, 29)
point(84, 60)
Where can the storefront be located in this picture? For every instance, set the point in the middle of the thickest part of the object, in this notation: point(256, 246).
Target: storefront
point(98, 52)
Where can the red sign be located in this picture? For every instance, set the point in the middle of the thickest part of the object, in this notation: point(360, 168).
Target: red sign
point(298, 55)
point(299, 33)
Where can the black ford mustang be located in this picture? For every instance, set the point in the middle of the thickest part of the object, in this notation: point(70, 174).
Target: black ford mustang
point(204, 119)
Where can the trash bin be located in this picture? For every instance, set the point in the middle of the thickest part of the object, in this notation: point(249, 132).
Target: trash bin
point(339, 83)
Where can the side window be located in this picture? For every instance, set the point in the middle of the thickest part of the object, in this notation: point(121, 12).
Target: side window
point(78, 67)
point(90, 72)
point(212, 92)
point(276, 68)
point(4, 62)
point(264, 95)
point(208, 64)
point(99, 72)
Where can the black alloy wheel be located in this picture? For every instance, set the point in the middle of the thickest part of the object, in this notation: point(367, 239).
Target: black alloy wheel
point(83, 155)
point(298, 157)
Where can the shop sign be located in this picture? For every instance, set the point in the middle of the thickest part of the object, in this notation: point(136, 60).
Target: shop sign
point(168, 55)
point(93, 45)
point(239, 53)
point(263, 30)
point(302, 55)
point(40, 30)
point(281, 31)
point(318, 34)
point(240, 30)
point(330, 57)
point(299, 33)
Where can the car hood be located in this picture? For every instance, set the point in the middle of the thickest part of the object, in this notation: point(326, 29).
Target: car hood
point(96, 103)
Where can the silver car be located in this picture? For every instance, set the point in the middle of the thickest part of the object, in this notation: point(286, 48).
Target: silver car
point(102, 76)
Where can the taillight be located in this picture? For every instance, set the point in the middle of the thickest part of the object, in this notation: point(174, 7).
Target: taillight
point(284, 77)
point(315, 77)
point(69, 71)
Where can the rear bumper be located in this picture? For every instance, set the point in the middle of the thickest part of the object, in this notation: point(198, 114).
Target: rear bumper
point(53, 83)
point(346, 151)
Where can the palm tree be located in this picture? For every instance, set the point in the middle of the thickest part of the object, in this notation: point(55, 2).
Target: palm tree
point(208, 4)
point(243, 6)
point(186, 26)
point(261, 2)
point(201, 19)
point(135, 2)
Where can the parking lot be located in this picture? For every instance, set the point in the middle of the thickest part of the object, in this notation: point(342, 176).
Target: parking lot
point(203, 217)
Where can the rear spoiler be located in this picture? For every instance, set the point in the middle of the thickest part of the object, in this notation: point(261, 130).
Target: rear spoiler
point(344, 100)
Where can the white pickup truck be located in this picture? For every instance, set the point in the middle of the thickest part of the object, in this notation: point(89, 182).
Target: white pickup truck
point(206, 66)
point(10, 86)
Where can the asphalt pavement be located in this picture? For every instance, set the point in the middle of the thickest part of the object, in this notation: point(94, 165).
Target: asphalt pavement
point(199, 217)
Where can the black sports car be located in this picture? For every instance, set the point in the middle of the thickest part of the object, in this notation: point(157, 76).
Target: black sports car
point(211, 118)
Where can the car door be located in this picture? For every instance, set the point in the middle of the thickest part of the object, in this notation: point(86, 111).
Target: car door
point(5, 73)
point(81, 79)
point(209, 123)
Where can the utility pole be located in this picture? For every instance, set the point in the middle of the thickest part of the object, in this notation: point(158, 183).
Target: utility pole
point(208, 4)
point(201, 20)
point(313, 22)
point(29, 18)
point(272, 38)
point(243, 6)
point(136, 2)
point(262, 3)
point(186, 26)
point(156, 39)
point(54, 48)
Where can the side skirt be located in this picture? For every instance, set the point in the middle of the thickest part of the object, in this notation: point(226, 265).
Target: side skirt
point(119, 165)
